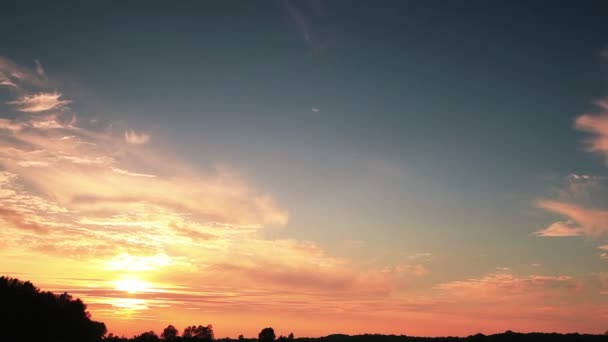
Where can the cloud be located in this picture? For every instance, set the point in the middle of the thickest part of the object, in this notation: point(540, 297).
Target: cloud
point(10, 125)
point(135, 138)
point(581, 221)
point(306, 17)
point(420, 256)
point(129, 173)
point(39, 68)
point(17, 220)
point(597, 125)
point(39, 102)
point(560, 229)
point(315, 109)
point(505, 284)
point(18, 77)
point(6, 81)
point(604, 253)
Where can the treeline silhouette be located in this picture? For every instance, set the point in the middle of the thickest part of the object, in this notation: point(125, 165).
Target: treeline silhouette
point(30, 315)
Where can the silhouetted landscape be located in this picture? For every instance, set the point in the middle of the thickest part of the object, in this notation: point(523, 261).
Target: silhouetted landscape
point(29, 314)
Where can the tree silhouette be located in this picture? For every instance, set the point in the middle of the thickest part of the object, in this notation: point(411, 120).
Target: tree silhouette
point(149, 336)
point(266, 335)
point(27, 314)
point(169, 333)
point(199, 332)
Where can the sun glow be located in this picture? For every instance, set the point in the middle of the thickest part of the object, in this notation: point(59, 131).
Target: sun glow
point(132, 285)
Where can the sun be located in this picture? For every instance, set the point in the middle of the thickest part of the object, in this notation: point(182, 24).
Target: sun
point(131, 285)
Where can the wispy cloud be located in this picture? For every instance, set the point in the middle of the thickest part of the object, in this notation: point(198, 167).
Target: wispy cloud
point(129, 173)
point(420, 256)
point(560, 229)
point(39, 68)
point(39, 102)
point(506, 284)
point(19, 77)
point(6, 81)
point(135, 138)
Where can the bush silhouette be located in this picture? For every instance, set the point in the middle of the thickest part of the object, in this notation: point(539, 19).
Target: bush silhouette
point(28, 314)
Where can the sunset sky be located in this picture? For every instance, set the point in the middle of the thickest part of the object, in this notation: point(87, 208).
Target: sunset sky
point(408, 167)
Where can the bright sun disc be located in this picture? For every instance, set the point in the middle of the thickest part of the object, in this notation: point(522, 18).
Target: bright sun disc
point(131, 285)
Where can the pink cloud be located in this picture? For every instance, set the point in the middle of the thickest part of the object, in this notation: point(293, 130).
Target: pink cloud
point(592, 222)
point(597, 125)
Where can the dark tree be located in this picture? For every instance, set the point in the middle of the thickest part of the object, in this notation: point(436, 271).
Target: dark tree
point(149, 336)
point(169, 333)
point(199, 332)
point(241, 337)
point(266, 335)
point(290, 337)
point(27, 314)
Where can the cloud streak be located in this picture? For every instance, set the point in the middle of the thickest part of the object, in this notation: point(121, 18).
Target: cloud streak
point(40, 102)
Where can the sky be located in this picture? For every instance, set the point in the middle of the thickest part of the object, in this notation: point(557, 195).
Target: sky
point(406, 167)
